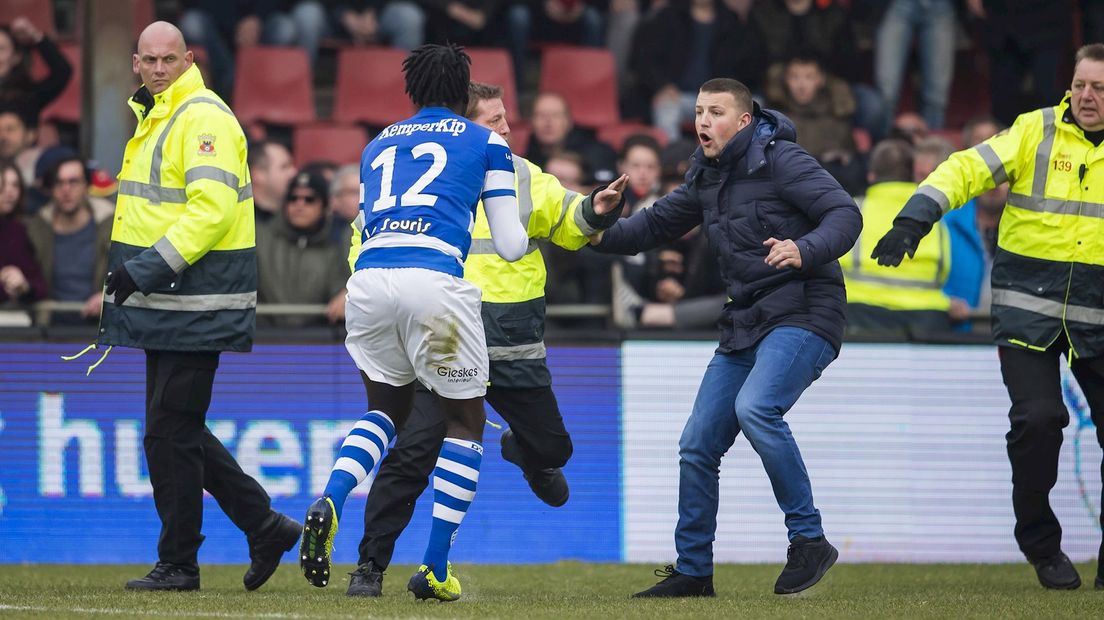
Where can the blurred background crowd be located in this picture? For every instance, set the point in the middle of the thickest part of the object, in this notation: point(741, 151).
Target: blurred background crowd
point(881, 92)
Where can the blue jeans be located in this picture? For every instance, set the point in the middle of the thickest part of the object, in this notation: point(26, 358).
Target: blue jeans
point(933, 23)
point(748, 390)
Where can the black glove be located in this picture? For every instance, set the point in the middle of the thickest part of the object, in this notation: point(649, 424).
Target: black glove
point(902, 239)
point(120, 284)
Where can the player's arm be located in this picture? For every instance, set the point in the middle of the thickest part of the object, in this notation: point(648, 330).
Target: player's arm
point(671, 217)
point(500, 202)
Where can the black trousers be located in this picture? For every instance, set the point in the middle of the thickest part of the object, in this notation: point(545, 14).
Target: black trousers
point(1037, 418)
point(185, 458)
point(534, 416)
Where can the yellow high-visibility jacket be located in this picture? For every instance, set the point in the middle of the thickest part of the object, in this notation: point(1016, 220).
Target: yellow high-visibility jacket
point(513, 293)
point(918, 283)
point(1048, 272)
point(184, 226)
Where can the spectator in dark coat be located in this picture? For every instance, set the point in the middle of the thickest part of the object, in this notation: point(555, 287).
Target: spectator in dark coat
point(679, 47)
point(17, 87)
point(554, 132)
point(21, 279)
point(821, 107)
point(777, 222)
point(787, 25)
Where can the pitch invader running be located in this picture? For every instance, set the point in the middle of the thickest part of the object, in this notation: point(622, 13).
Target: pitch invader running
point(410, 315)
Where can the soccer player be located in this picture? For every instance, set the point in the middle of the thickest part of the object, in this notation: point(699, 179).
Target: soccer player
point(410, 315)
point(521, 384)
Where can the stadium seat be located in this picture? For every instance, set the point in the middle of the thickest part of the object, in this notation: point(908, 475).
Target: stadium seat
point(67, 107)
point(615, 135)
point(340, 144)
point(519, 137)
point(370, 88)
point(273, 85)
point(144, 15)
point(39, 12)
point(494, 66)
point(586, 77)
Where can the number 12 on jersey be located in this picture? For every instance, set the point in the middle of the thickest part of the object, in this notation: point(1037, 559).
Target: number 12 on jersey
point(412, 197)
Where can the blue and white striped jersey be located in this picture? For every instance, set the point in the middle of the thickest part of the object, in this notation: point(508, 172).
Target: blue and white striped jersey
point(420, 181)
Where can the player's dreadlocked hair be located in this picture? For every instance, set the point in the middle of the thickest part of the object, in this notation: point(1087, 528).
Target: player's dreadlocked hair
point(438, 75)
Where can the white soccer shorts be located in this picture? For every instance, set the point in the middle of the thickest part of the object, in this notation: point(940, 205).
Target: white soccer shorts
point(408, 323)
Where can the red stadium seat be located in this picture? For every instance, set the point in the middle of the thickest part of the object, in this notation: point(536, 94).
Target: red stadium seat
point(340, 144)
point(370, 88)
point(519, 137)
point(144, 15)
point(494, 66)
point(39, 12)
point(615, 135)
point(273, 85)
point(586, 77)
point(67, 107)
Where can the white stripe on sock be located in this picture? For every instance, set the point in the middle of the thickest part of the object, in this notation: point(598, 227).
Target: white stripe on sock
point(458, 468)
point(352, 467)
point(364, 443)
point(452, 489)
point(444, 513)
point(375, 429)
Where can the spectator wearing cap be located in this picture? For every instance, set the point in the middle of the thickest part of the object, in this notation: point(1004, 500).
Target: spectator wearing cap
point(20, 278)
point(71, 236)
point(298, 260)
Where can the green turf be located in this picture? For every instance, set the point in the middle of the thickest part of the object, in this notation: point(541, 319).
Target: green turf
point(564, 590)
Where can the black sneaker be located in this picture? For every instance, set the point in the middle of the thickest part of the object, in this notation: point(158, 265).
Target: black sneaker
point(675, 584)
point(1100, 583)
point(807, 559)
point(167, 577)
point(277, 536)
point(1057, 573)
point(366, 580)
point(549, 485)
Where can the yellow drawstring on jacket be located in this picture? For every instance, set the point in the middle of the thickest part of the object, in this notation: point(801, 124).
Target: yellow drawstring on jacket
point(91, 347)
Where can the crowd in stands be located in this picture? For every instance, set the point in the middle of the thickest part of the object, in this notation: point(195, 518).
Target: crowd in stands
point(880, 92)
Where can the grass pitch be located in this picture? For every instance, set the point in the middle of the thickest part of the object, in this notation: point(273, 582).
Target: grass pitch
point(563, 590)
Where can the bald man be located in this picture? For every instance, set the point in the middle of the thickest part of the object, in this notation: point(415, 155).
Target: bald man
point(182, 285)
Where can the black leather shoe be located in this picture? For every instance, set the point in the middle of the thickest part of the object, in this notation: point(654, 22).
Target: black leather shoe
point(677, 585)
point(366, 580)
point(167, 577)
point(277, 536)
point(807, 559)
point(549, 485)
point(1057, 573)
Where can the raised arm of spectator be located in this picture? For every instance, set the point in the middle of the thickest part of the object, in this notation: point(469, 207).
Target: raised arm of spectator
point(669, 218)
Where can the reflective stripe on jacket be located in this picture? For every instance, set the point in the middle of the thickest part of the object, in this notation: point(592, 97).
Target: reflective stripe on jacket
point(918, 283)
point(1048, 272)
point(184, 226)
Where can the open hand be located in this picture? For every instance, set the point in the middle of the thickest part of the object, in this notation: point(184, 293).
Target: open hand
point(609, 198)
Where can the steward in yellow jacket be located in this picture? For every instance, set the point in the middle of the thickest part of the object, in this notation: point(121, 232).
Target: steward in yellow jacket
point(911, 296)
point(182, 285)
point(1048, 286)
point(184, 226)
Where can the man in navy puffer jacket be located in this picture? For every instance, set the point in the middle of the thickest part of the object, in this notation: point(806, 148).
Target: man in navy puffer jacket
point(778, 222)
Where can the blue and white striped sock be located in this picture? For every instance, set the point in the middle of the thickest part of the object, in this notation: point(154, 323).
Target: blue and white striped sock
point(363, 447)
point(454, 481)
